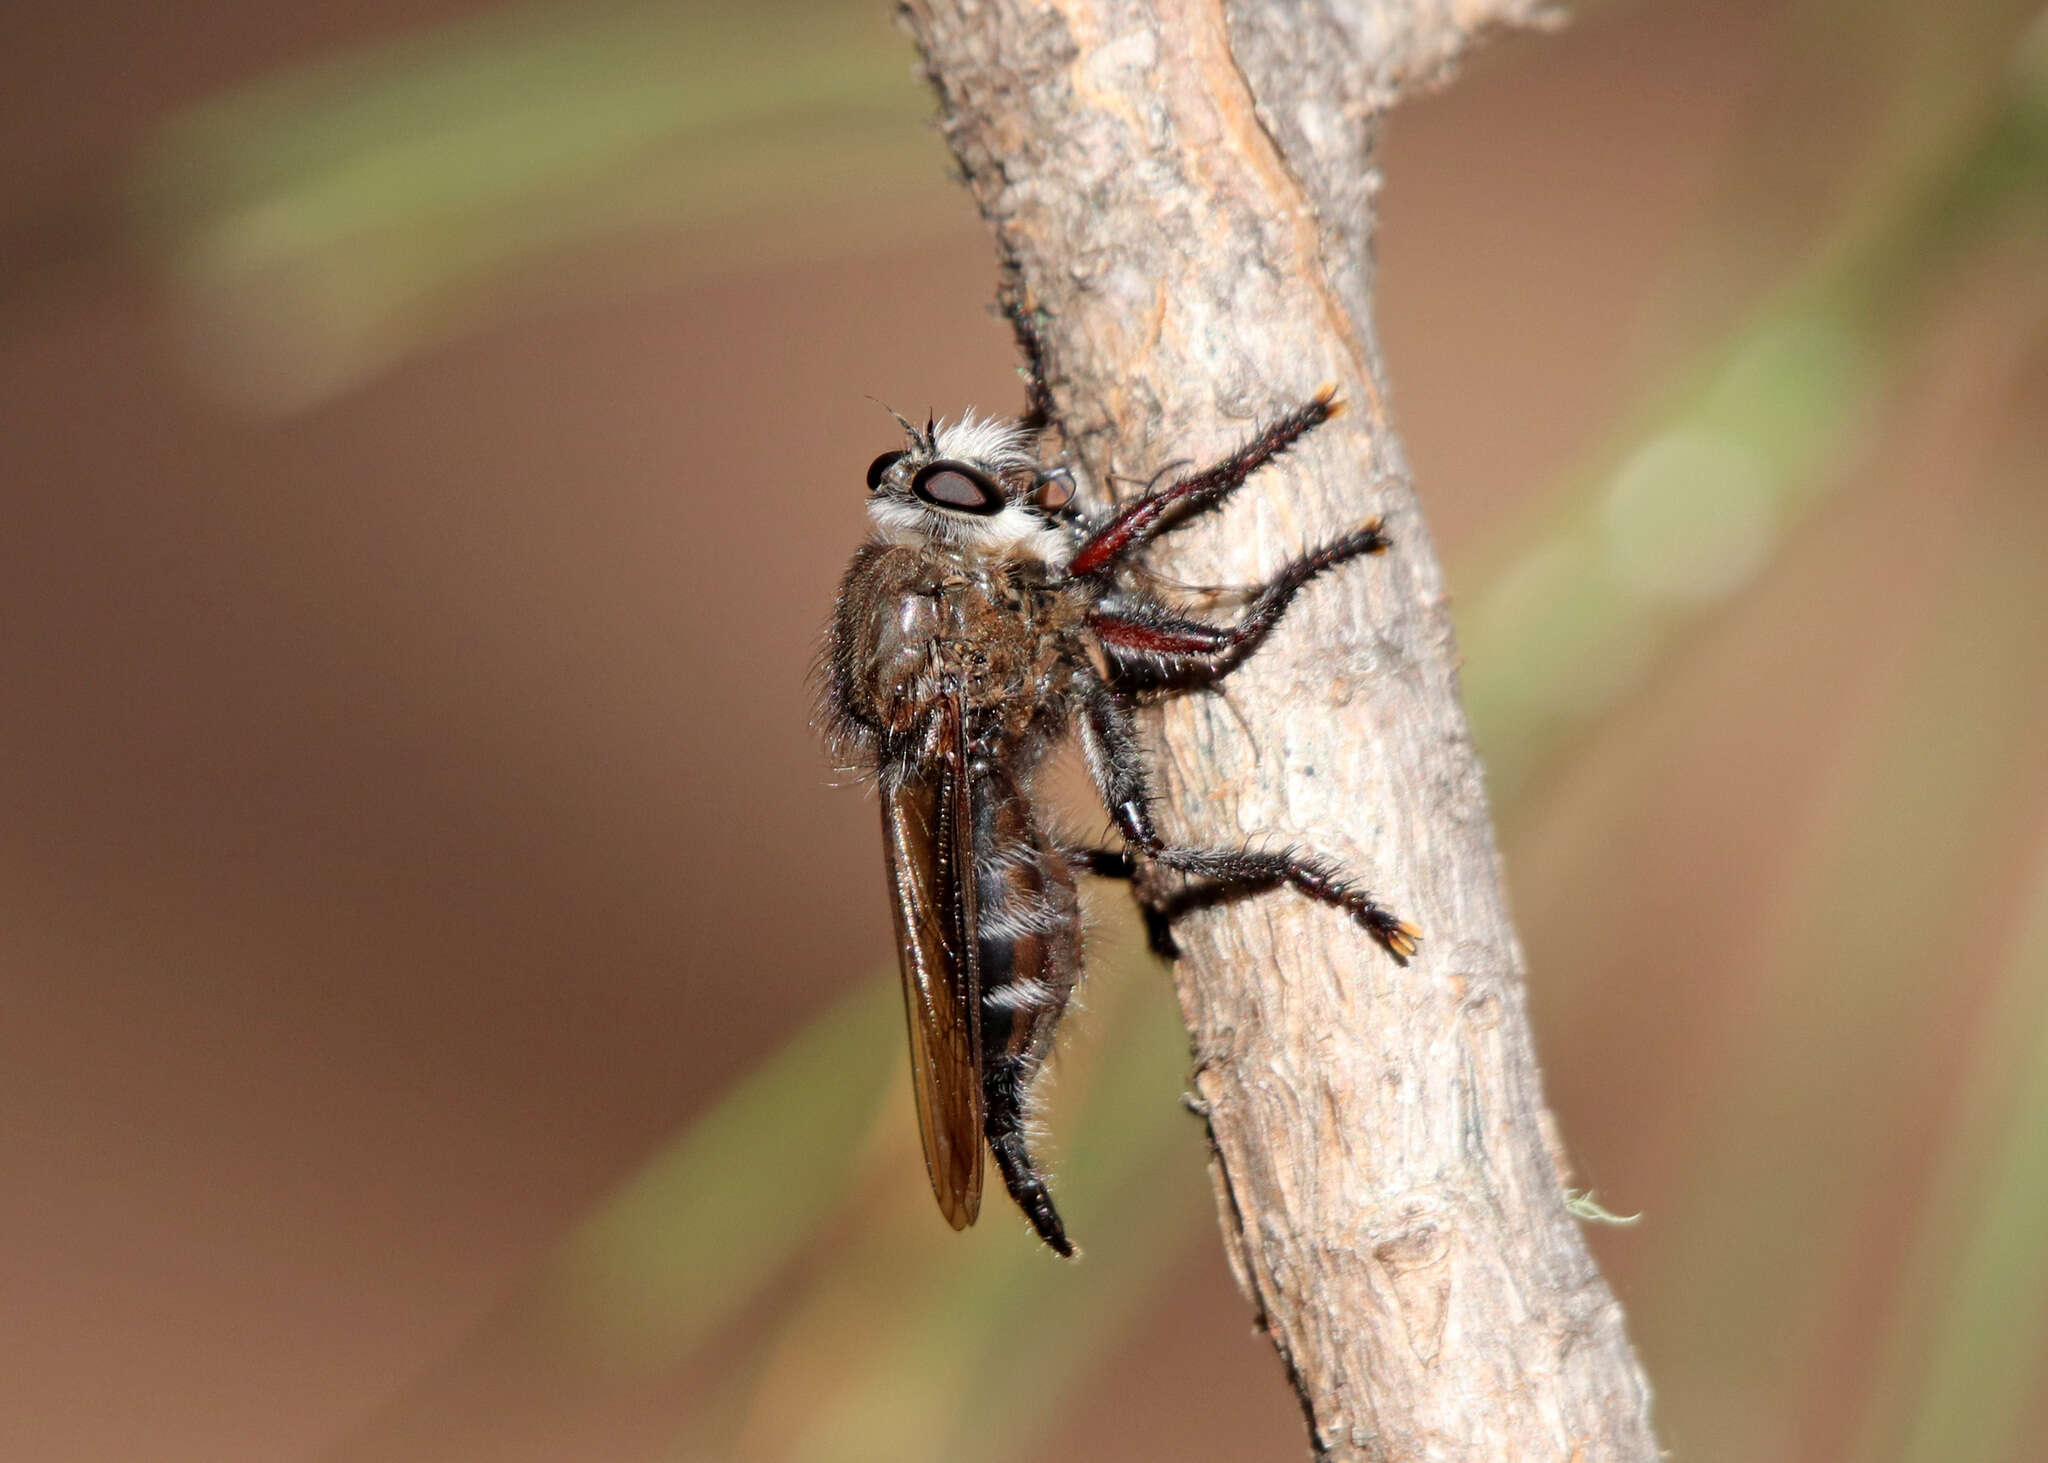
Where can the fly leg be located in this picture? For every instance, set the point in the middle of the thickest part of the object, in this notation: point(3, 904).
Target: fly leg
point(1024, 325)
point(1054, 490)
point(1114, 761)
point(1236, 873)
point(1141, 521)
point(1152, 649)
point(1159, 913)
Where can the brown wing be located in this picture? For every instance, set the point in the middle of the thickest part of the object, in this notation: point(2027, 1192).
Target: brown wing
point(928, 831)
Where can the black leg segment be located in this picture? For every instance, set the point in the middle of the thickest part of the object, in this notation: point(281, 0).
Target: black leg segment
point(1024, 325)
point(1159, 914)
point(1111, 746)
point(1236, 872)
point(1138, 523)
point(1152, 649)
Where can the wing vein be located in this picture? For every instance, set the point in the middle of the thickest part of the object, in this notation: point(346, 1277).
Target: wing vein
point(927, 833)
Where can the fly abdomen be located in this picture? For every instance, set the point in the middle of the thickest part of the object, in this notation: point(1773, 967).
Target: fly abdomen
point(1029, 949)
point(1029, 923)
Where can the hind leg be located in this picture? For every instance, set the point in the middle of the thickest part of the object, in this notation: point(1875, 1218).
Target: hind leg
point(1119, 773)
point(1159, 914)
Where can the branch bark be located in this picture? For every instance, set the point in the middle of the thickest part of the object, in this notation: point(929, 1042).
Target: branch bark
point(1185, 188)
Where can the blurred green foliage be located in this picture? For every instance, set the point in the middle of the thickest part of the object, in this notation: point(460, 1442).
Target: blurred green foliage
point(751, 1183)
point(321, 224)
point(1961, 1387)
point(1688, 505)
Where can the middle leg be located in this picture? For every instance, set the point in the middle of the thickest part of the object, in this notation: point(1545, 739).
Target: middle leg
point(1152, 649)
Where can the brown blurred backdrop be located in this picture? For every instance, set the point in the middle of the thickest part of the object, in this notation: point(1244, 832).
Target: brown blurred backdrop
point(412, 824)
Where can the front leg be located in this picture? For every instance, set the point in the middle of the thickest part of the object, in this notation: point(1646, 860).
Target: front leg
point(1031, 345)
point(1138, 523)
point(1152, 649)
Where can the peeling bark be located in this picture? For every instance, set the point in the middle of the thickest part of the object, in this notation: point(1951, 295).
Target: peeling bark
point(1186, 191)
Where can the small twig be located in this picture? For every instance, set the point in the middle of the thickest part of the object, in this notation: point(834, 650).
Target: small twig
point(1184, 193)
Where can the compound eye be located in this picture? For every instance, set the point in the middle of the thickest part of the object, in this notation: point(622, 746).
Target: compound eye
point(880, 466)
point(959, 487)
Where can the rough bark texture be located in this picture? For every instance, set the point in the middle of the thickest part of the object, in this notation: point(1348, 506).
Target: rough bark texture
point(1186, 191)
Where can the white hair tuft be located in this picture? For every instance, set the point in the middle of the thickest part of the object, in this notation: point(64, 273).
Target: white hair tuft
point(991, 443)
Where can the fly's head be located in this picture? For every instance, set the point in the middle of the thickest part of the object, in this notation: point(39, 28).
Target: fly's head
point(973, 485)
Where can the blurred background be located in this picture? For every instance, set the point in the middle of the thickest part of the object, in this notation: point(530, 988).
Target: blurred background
point(449, 1012)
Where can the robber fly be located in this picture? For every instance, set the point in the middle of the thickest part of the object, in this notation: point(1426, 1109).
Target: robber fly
point(984, 620)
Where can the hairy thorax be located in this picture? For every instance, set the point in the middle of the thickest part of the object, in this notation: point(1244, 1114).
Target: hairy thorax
point(919, 623)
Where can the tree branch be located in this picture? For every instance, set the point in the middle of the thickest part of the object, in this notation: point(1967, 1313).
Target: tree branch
point(1185, 190)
